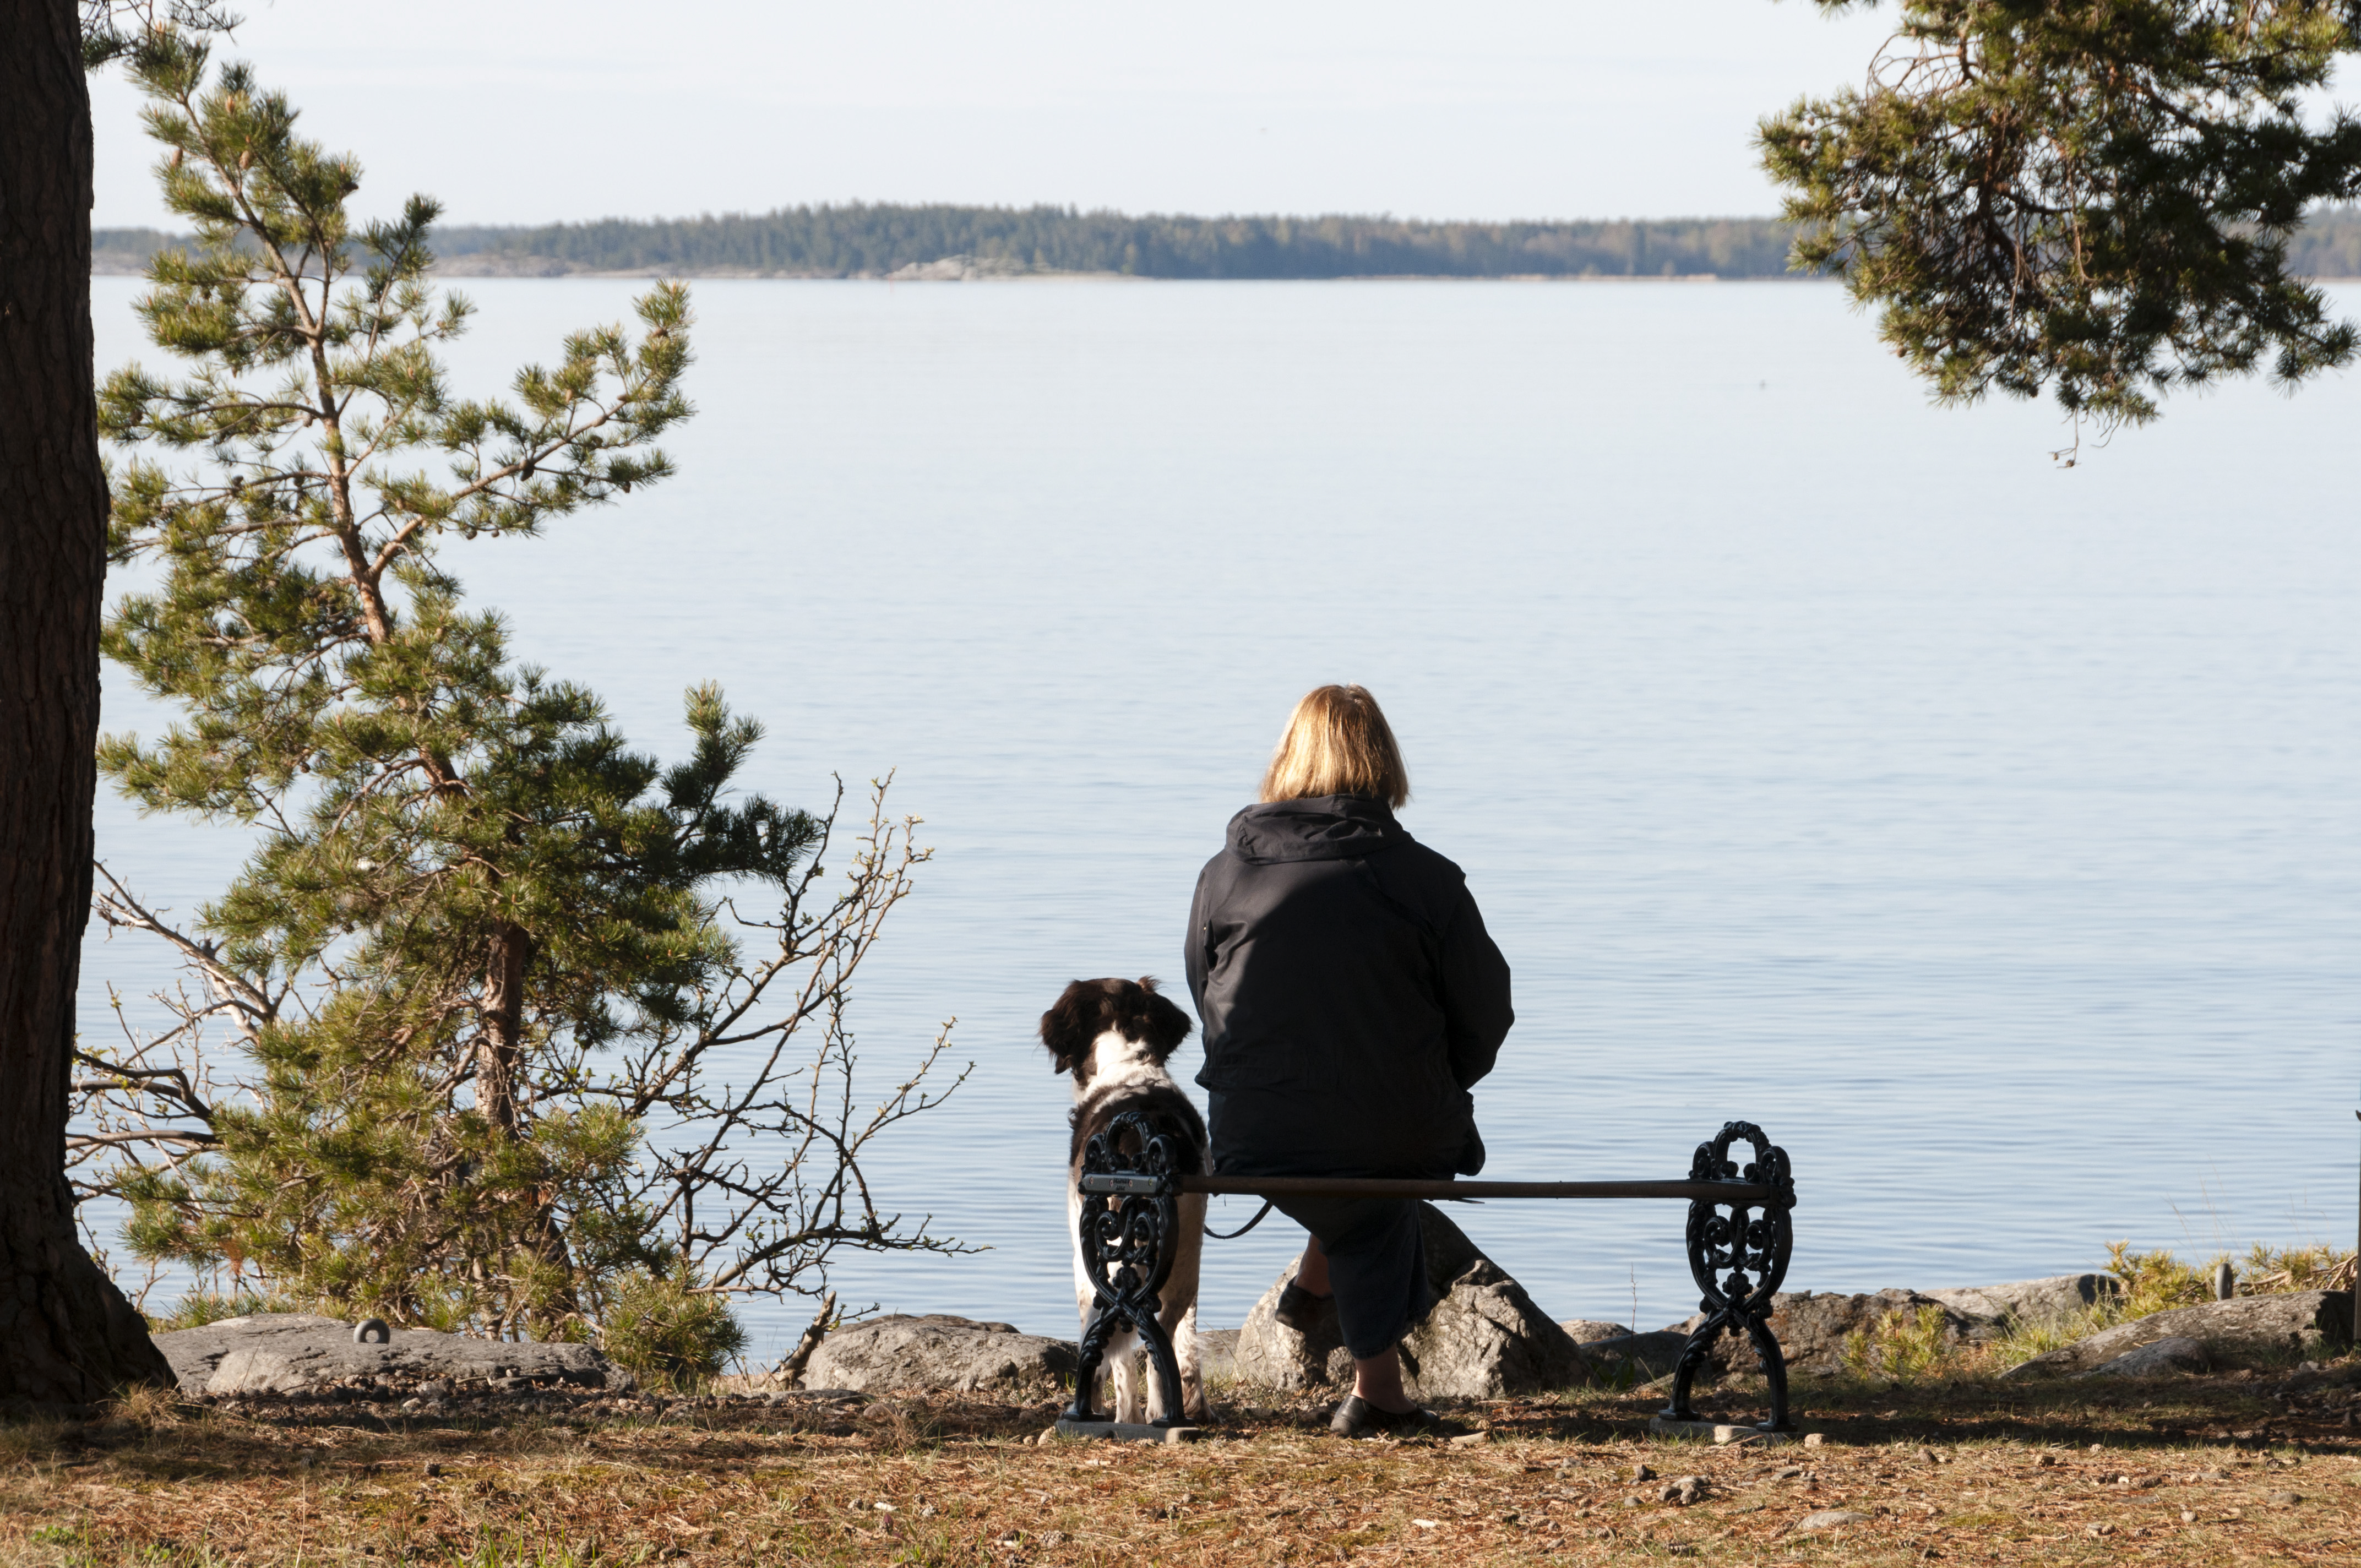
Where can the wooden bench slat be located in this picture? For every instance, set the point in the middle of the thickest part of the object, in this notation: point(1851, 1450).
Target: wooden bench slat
point(1385, 1187)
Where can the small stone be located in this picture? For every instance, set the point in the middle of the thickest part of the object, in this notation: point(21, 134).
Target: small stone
point(1828, 1519)
point(2188, 1516)
point(1813, 1439)
point(2283, 1499)
point(1786, 1471)
point(1632, 1502)
point(1642, 1473)
point(1929, 1456)
point(1471, 1440)
point(434, 1469)
point(2098, 1529)
point(1688, 1490)
point(1048, 1435)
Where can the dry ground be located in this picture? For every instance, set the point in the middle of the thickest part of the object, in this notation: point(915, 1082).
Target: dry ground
point(2218, 1470)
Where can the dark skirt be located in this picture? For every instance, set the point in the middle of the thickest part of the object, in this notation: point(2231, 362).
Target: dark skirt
point(1377, 1250)
point(1377, 1265)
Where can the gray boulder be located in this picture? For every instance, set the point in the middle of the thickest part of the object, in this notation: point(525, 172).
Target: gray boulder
point(1483, 1339)
point(2157, 1358)
point(2250, 1331)
point(940, 1352)
point(1812, 1328)
point(295, 1353)
point(1589, 1331)
point(1991, 1311)
point(1648, 1355)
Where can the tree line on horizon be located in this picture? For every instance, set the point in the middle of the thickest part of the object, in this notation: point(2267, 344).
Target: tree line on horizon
point(866, 240)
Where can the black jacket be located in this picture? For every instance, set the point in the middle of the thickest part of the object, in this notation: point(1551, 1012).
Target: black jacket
point(1348, 992)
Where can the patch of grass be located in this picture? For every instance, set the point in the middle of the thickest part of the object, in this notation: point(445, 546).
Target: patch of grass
point(2155, 1282)
point(1902, 1346)
point(510, 1551)
point(2159, 1280)
point(198, 1307)
point(2028, 1337)
point(2270, 1269)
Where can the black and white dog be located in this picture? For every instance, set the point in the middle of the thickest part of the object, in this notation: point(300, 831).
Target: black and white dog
point(1115, 1036)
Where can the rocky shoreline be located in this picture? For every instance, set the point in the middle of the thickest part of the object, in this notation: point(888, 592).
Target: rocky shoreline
point(1484, 1340)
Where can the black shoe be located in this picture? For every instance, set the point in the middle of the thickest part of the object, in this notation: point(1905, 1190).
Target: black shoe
point(1358, 1418)
point(1301, 1310)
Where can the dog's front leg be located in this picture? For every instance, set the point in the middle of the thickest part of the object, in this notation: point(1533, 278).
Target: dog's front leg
point(1123, 1371)
point(1178, 1312)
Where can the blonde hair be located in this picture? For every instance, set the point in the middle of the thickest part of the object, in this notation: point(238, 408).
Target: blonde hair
point(1337, 742)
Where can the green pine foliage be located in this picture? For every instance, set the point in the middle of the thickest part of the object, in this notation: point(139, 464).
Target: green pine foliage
point(475, 954)
point(2090, 197)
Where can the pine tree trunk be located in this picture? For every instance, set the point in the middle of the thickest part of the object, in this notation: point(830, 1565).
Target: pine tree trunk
point(500, 1063)
point(499, 1051)
point(67, 1336)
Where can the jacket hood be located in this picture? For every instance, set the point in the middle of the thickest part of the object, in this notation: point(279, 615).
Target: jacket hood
point(1319, 827)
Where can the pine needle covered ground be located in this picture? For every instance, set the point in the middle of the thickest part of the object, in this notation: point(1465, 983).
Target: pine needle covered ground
point(2212, 1470)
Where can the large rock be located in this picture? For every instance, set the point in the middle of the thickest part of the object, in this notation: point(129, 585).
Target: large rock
point(294, 1353)
point(1484, 1338)
point(1588, 1330)
point(1648, 1355)
point(940, 1352)
point(2157, 1358)
point(1812, 1328)
point(2250, 1331)
point(1993, 1310)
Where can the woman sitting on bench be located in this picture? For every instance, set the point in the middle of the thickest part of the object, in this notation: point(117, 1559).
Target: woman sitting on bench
point(1349, 996)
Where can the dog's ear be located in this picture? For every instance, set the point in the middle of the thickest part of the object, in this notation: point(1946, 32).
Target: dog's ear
point(1167, 1025)
point(1071, 1026)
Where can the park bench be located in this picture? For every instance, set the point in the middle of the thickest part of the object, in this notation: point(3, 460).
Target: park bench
point(1129, 1231)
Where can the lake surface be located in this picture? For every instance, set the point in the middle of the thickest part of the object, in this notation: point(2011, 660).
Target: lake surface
point(1989, 833)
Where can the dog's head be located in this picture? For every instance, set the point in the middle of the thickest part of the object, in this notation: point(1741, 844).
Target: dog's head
point(1130, 1007)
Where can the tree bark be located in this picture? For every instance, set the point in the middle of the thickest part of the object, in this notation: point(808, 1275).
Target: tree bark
point(67, 1335)
point(500, 1050)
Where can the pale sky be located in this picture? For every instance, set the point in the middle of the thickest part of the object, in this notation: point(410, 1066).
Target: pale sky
point(532, 110)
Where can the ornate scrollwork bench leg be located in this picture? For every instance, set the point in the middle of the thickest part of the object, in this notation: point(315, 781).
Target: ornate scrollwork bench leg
point(1127, 1235)
point(1739, 1257)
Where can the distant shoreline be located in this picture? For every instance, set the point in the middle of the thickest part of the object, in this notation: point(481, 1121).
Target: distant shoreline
point(956, 243)
point(119, 266)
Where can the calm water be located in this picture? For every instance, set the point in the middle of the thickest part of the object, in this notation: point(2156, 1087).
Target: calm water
point(1987, 832)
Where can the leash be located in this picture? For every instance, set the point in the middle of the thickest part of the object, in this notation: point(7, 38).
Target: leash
point(1250, 1224)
